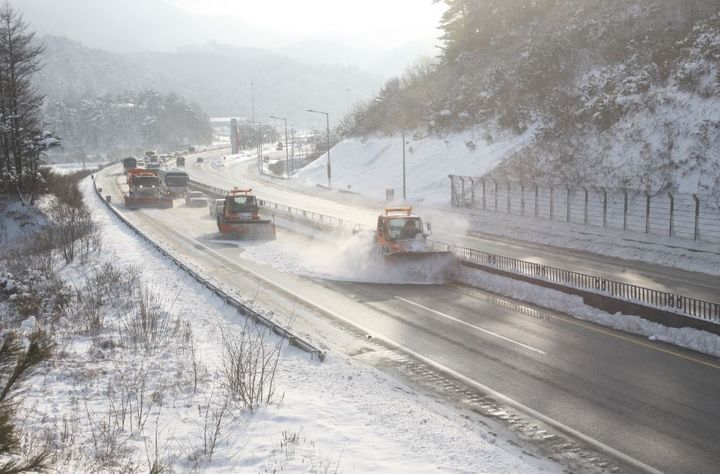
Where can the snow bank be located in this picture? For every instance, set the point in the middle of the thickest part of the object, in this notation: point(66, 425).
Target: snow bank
point(573, 305)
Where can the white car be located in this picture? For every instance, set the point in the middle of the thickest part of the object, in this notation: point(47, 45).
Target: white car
point(195, 199)
point(215, 206)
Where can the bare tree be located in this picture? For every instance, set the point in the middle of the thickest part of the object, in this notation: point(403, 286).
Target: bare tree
point(21, 140)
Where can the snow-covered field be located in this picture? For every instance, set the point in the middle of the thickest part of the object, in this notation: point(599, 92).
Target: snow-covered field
point(105, 404)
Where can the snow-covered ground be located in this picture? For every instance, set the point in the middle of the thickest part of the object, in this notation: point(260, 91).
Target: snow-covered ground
point(370, 165)
point(339, 415)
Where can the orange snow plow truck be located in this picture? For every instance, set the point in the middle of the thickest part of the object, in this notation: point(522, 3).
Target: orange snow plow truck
point(239, 217)
point(145, 190)
point(400, 235)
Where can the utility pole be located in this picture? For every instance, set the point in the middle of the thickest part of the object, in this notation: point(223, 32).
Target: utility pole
point(327, 120)
point(404, 181)
point(252, 102)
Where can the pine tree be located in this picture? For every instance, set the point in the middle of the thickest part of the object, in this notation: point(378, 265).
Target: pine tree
point(20, 132)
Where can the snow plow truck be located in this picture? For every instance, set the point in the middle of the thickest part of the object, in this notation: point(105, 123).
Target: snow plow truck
point(145, 190)
point(238, 217)
point(401, 236)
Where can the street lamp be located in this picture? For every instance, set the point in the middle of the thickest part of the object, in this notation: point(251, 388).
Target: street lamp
point(327, 119)
point(287, 162)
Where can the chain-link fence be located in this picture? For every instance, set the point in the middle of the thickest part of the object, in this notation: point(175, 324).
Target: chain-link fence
point(692, 216)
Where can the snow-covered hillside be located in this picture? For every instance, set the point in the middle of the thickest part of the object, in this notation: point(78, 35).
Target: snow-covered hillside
point(618, 93)
point(370, 165)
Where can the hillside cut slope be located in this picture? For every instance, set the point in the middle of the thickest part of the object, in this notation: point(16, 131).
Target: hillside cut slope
point(617, 93)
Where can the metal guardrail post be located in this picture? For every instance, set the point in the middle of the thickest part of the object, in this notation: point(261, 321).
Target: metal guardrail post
point(672, 214)
point(605, 203)
point(453, 196)
point(484, 196)
point(496, 194)
point(472, 192)
point(696, 233)
point(625, 208)
point(508, 197)
point(567, 203)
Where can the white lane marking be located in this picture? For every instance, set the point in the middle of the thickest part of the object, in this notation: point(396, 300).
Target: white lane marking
point(472, 326)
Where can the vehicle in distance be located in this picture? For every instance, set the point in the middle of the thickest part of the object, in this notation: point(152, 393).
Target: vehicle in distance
point(173, 181)
point(240, 219)
point(145, 191)
point(195, 199)
point(215, 206)
point(401, 235)
point(199, 159)
point(129, 162)
point(191, 149)
point(180, 161)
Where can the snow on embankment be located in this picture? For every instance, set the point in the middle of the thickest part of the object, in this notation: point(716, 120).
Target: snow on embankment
point(370, 165)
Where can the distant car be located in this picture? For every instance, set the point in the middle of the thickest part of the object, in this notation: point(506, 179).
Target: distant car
point(195, 199)
point(215, 206)
point(191, 149)
point(199, 159)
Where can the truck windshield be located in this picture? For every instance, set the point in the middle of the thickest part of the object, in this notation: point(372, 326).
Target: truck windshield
point(403, 228)
point(243, 203)
point(176, 180)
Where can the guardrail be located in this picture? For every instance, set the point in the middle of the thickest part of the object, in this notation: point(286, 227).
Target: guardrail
point(309, 215)
point(243, 309)
point(682, 305)
point(678, 304)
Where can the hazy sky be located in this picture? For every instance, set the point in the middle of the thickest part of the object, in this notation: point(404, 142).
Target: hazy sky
point(374, 23)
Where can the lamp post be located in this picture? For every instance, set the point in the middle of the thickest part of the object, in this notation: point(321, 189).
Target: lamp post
point(287, 162)
point(252, 102)
point(327, 121)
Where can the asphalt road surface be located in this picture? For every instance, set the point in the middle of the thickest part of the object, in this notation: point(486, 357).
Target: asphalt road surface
point(655, 403)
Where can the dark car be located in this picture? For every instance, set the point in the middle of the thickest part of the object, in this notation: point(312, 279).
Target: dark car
point(199, 159)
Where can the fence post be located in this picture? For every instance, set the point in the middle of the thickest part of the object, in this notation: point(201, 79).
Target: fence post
point(462, 192)
point(697, 216)
point(604, 207)
point(552, 205)
point(647, 212)
point(496, 194)
point(672, 213)
point(567, 203)
point(586, 205)
point(484, 196)
point(625, 207)
point(508, 197)
point(472, 192)
point(522, 198)
point(537, 207)
point(453, 195)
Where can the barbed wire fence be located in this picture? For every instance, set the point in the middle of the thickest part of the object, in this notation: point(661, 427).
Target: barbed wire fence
point(690, 216)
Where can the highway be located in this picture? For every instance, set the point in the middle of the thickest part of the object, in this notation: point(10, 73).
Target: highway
point(655, 403)
point(450, 229)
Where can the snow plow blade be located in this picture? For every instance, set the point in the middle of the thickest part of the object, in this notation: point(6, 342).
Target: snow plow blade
point(263, 229)
point(148, 202)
